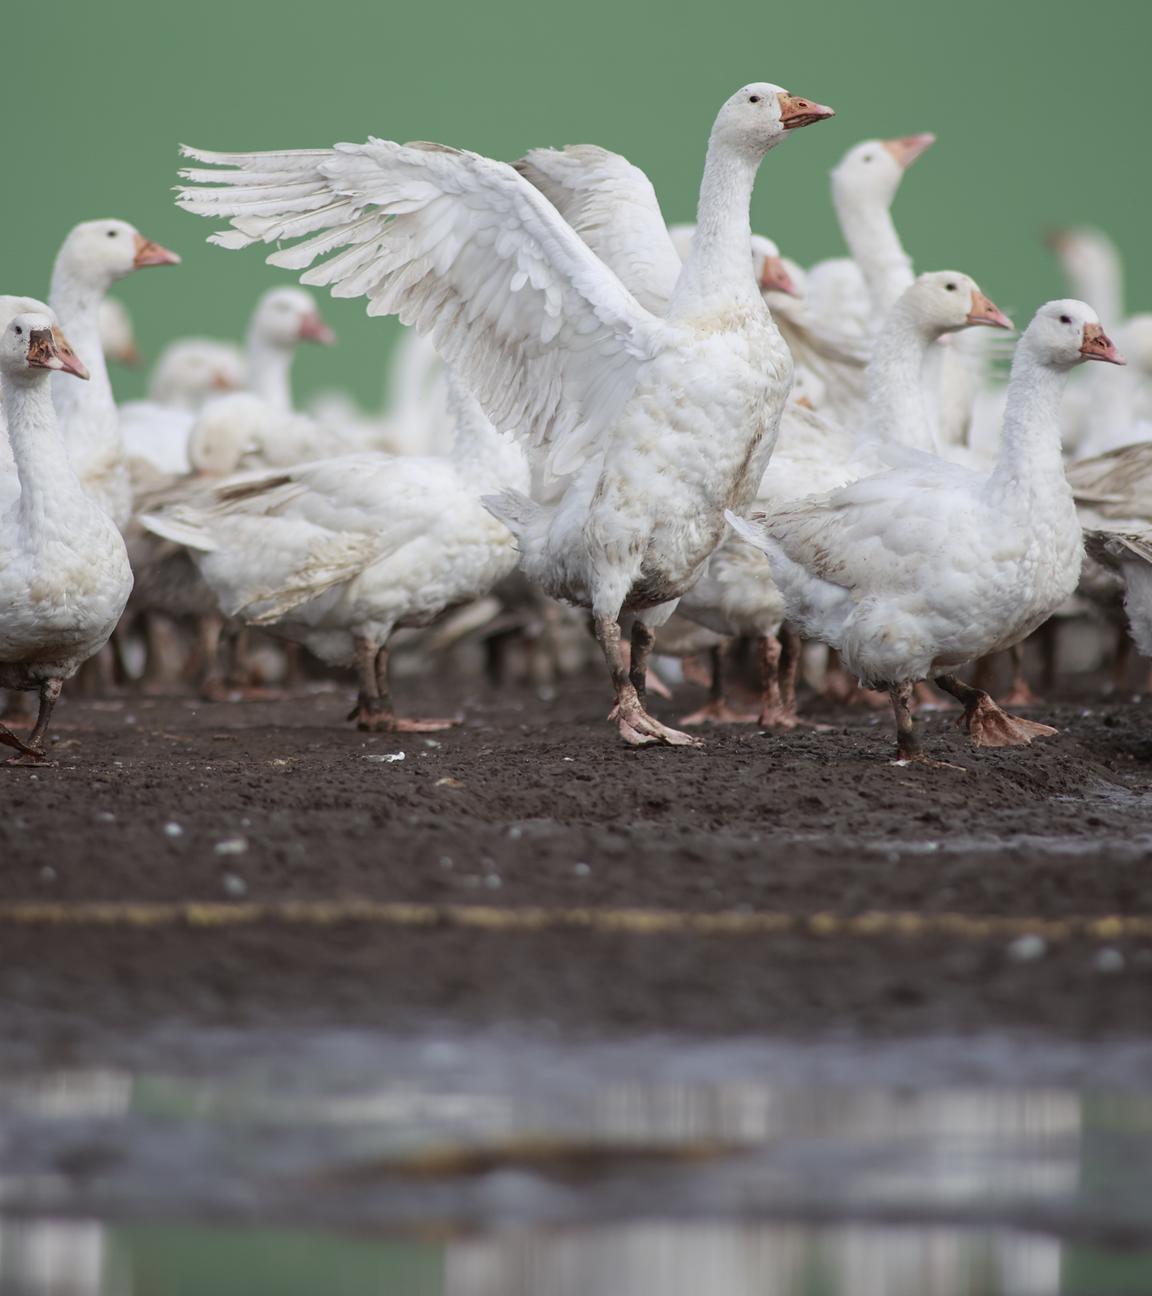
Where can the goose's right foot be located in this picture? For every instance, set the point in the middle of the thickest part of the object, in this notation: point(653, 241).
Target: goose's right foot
point(25, 754)
point(639, 729)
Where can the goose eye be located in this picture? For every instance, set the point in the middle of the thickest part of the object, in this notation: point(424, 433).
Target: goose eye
point(1065, 319)
point(753, 98)
point(19, 331)
point(866, 158)
point(111, 233)
point(950, 287)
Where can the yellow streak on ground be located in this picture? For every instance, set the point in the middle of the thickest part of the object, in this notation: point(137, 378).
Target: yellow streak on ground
point(640, 922)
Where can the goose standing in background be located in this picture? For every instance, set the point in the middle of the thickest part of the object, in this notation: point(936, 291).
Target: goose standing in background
point(657, 422)
point(117, 334)
point(915, 571)
point(339, 553)
point(64, 573)
point(91, 259)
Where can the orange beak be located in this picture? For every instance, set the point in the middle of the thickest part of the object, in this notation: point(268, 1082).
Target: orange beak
point(1097, 345)
point(908, 148)
point(774, 277)
point(50, 349)
point(795, 112)
point(130, 356)
point(987, 312)
point(152, 254)
point(313, 329)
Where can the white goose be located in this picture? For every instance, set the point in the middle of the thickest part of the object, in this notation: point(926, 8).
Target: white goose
point(117, 333)
point(196, 372)
point(339, 553)
point(64, 573)
point(736, 595)
point(91, 259)
point(918, 570)
point(659, 422)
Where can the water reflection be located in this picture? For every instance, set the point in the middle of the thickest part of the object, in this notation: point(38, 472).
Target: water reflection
point(562, 1177)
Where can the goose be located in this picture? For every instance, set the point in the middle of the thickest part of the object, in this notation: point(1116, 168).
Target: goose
point(91, 259)
point(736, 595)
point(117, 335)
point(915, 571)
point(1128, 553)
point(64, 577)
point(339, 553)
point(195, 371)
point(657, 422)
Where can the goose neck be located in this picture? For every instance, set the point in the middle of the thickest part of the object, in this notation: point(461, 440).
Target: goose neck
point(870, 233)
point(76, 301)
point(897, 411)
point(47, 480)
point(1030, 452)
point(718, 274)
point(270, 371)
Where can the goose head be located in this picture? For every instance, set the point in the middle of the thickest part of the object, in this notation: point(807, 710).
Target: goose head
point(285, 317)
point(873, 169)
point(757, 117)
point(32, 342)
point(945, 301)
point(100, 252)
point(1068, 332)
point(772, 272)
point(194, 369)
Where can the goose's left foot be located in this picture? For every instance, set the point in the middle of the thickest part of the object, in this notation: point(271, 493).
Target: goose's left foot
point(26, 754)
point(375, 715)
point(639, 729)
point(989, 726)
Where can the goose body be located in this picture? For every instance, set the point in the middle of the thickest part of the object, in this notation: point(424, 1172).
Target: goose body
point(657, 421)
point(64, 573)
point(915, 571)
point(339, 553)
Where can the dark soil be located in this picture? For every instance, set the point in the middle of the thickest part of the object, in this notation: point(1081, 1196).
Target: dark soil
point(536, 804)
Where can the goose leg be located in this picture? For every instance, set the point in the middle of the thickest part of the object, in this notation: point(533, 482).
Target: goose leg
point(1019, 692)
point(373, 711)
point(907, 739)
point(208, 631)
point(32, 752)
point(633, 723)
point(716, 710)
point(985, 722)
point(775, 713)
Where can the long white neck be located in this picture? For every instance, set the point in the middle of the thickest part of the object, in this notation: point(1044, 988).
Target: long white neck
point(89, 419)
point(48, 483)
point(870, 233)
point(897, 411)
point(718, 273)
point(270, 371)
point(1030, 456)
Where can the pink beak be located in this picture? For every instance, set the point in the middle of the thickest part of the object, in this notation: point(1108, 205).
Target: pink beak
point(313, 329)
point(795, 112)
point(52, 350)
point(1097, 345)
point(774, 277)
point(987, 312)
point(152, 254)
point(908, 148)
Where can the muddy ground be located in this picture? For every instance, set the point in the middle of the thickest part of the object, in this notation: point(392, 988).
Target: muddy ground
point(534, 804)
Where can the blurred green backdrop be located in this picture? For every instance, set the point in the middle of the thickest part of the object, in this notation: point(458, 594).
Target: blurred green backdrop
point(1041, 107)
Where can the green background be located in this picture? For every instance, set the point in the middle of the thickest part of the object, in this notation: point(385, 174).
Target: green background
point(1041, 107)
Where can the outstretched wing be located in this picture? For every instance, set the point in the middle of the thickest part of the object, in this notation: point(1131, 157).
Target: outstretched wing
point(465, 250)
point(612, 205)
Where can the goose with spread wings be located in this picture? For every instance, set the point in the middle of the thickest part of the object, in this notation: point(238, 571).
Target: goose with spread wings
point(656, 424)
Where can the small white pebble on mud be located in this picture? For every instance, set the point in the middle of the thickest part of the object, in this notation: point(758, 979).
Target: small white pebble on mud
point(1026, 948)
point(47, 873)
point(231, 846)
point(568, 758)
point(173, 829)
point(1109, 960)
point(386, 758)
point(582, 870)
point(105, 816)
point(233, 885)
point(431, 742)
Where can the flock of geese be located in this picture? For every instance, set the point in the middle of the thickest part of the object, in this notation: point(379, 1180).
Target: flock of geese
point(677, 429)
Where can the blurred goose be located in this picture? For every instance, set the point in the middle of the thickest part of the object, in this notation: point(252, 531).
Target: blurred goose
point(117, 335)
point(656, 422)
point(915, 571)
point(339, 553)
point(92, 258)
point(64, 574)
